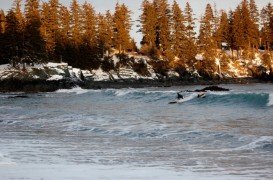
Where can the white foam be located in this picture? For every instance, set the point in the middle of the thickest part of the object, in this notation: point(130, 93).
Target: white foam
point(219, 93)
point(4, 161)
point(270, 100)
point(10, 107)
point(123, 92)
point(187, 98)
point(163, 92)
point(76, 90)
point(55, 78)
point(257, 143)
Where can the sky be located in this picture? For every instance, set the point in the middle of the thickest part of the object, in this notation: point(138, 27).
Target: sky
point(134, 5)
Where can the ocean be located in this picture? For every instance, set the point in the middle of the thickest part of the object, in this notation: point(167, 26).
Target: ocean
point(137, 134)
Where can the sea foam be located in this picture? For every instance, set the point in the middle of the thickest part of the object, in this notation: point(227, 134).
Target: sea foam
point(76, 90)
point(258, 143)
point(270, 100)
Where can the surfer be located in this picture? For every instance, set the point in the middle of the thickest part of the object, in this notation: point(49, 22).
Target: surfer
point(178, 99)
point(201, 95)
point(179, 96)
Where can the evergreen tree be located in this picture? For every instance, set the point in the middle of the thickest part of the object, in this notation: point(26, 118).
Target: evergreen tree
point(207, 44)
point(122, 27)
point(271, 32)
point(76, 26)
point(110, 29)
point(89, 48)
point(266, 15)
point(246, 32)
point(54, 6)
point(64, 29)
point(11, 36)
point(105, 33)
point(238, 29)
point(89, 24)
point(179, 34)
point(254, 12)
point(148, 21)
point(2, 21)
point(189, 20)
point(251, 31)
point(34, 43)
point(62, 41)
point(163, 27)
point(222, 32)
point(216, 24)
point(46, 29)
point(52, 19)
point(190, 35)
point(17, 5)
point(231, 32)
point(206, 30)
point(2, 40)
point(18, 13)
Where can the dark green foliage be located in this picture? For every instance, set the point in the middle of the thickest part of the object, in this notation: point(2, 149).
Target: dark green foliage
point(107, 64)
point(33, 41)
point(141, 68)
point(160, 67)
point(9, 43)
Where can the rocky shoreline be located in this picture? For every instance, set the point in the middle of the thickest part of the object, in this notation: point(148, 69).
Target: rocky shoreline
point(53, 76)
point(15, 85)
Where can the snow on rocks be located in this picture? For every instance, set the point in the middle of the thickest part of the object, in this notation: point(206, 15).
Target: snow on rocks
point(173, 74)
point(99, 75)
point(199, 57)
point(55, 78)
point(50, 72)
point(115, 60)
point(128, 73)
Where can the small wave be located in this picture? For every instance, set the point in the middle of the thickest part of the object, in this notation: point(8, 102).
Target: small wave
point(270, 100)
point(4, 161)
point(263, 142)
point(76, 90)
point(240, 98)
point(220, 93)
point(136, 92)
point(10, 107)
point(123, 92)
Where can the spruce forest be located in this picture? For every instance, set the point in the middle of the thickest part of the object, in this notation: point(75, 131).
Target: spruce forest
point(38, 32)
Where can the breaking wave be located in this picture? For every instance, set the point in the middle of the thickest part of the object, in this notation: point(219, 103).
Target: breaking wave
point(253, 99)
point(264, 143)
point(225, 98)
point(270, 100)
point(76, 90)
point(4, 161)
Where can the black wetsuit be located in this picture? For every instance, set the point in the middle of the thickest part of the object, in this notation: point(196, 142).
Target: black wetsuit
point(179, 96)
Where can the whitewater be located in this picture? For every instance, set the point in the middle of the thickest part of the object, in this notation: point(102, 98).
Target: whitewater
point(136, 134)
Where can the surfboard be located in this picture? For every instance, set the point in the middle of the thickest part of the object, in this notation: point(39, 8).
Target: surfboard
point(177, 101)
point(201, 95)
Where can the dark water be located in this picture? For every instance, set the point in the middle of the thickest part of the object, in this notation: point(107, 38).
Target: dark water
point(225, 134)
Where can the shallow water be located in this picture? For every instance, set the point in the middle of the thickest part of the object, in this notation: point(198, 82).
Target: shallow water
point(135, 132)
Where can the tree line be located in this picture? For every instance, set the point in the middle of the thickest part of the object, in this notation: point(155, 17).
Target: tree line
point(50, 31)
